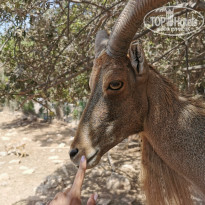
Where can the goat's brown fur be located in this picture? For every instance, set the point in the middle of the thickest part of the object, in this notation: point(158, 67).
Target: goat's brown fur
point(161, 184)
point(166, 178)
point(172, 128)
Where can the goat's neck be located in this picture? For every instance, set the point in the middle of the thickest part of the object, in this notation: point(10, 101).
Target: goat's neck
point(175, 128)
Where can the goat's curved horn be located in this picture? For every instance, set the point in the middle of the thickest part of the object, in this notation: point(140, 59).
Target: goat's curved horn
point(127, 24)
point(100, 42)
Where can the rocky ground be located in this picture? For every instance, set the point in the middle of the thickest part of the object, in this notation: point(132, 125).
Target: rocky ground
point(34, 164)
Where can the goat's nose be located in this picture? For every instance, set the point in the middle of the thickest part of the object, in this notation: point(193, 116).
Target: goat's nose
point(73, 152)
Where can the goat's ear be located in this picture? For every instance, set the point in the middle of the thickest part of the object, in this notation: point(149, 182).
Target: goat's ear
point(137, 59)
point(100, 42)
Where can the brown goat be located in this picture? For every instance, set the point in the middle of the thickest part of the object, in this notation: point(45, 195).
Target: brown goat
point(128, 96)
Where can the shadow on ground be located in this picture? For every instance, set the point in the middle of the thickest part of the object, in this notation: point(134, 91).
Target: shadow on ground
point(116, 188)
point(63, 136)
point(31, 124)
point(30, 121)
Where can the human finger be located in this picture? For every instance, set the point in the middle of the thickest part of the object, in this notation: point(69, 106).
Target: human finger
point(59, 197)
point(92, 200)
point(67, 191)
point(77, 184)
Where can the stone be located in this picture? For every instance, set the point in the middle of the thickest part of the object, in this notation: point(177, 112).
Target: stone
point(107, 173)
point(4, 183)
point(3, 154)
point(50, 182)
point(11, 133)
point(2, 163)
point(24, 118)
point(4, 176)
point(26, 139)
point(59, 179)
point(39, 203)
point(5, 138)
point(118, 184)
point(127, 168)
point(23, 167)
point(97, 173)
point(53, 183)
point(41, 190)
point(54, 157)
point(49, 140)
point(57, 161)
point(61, 145)
point(29, 171)
point(128, 200)
point(65, 170)
point(104, 201)
point(15, 161)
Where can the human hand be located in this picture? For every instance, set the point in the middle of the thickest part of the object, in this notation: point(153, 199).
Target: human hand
point(71, 196)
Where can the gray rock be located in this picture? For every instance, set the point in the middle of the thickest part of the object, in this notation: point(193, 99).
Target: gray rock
point(65, 170)
point(103, 201)
point(97, 173)
point(39, 203)
point(49, 183)
point(49, 139)
point(29, 171)
point(59, 179)
point(41, 190)
point(53, 183)
point(118, 184)
point(127, 168)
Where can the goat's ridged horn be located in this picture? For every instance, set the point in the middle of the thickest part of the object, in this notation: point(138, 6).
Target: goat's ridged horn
point(127, 24)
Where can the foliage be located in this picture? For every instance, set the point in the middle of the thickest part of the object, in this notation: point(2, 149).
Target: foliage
point(76, 114)
point(67, 110)
point(47, 49)
point(28, 108)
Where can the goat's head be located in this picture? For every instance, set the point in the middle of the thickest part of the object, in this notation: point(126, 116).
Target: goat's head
point(118, 102)
point(117, 96)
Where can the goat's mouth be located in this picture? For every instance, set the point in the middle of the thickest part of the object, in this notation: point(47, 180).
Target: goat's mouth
point(93, 160)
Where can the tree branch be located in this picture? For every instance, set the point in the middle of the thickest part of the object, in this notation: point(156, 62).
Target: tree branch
point(78, 34)
point(88, 2)
point(198, 6)
point(182, 43)
point(197, 67)
point(68, 20)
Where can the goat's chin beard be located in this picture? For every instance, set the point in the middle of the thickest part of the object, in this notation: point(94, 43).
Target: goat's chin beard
point(93, 162)
point(90, 166)
point(90, 163)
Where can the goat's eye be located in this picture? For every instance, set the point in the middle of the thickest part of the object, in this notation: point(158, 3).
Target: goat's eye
point(115, 85)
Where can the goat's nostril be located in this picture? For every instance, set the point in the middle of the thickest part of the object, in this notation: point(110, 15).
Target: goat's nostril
point(73, 152)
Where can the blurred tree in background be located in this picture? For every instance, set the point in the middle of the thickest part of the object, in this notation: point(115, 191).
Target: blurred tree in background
point(47, 49)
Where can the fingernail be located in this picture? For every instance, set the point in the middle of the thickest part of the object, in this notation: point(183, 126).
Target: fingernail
point(83, 158)
point(95, 196)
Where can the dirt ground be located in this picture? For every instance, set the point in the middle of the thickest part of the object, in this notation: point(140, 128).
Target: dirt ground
point(35, 165)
